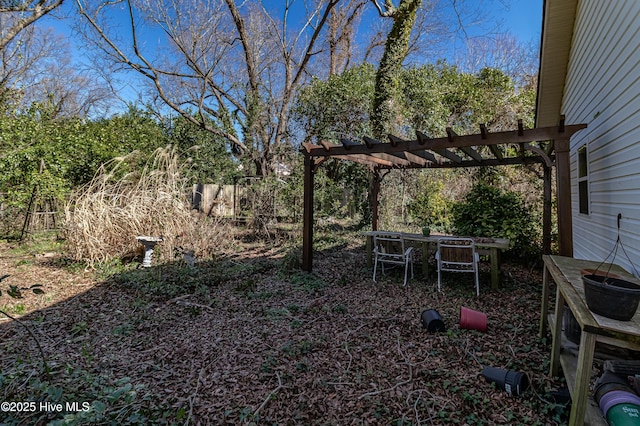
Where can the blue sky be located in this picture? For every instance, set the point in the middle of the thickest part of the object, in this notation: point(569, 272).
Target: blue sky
point(521, 18)
point(524, 18)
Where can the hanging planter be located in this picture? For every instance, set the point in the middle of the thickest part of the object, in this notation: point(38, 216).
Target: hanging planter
point(611, 297)
point(608, 294)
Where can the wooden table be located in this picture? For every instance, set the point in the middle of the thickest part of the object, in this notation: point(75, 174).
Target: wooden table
point(565, 272)
point(428, 244)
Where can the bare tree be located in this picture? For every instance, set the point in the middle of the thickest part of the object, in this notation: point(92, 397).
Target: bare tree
point(431, 34)
point(341, 34)
point(18, 15)
point(36, 67)
point(16, 59)
point(232, 69)
point(502, 51)
point(71, 92)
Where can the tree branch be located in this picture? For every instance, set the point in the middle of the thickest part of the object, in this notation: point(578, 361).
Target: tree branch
point(38, 11)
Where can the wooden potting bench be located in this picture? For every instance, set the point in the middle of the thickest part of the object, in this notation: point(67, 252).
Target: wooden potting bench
point(565, 273)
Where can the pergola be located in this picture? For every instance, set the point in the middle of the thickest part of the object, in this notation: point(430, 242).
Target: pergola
point(548, 146)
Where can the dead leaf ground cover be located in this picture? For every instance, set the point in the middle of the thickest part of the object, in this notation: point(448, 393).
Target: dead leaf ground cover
point(247, 338)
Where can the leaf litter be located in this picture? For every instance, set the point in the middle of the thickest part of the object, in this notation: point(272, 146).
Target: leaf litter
point(243, 339)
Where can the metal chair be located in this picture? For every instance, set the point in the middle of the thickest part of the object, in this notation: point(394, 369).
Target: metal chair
point(388, 248)
point(458, 255)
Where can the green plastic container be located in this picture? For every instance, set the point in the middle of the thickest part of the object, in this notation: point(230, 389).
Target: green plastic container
point(624, 415)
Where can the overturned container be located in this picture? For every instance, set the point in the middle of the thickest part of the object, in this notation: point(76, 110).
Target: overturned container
point(473, 320)
point(432, 321)
point(510, 381)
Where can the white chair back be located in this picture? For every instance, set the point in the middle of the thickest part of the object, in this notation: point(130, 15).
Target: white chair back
point(456, 254)
point(389, 248)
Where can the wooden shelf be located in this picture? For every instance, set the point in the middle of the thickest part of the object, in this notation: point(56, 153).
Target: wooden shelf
point(569, 363)
point(593, 415)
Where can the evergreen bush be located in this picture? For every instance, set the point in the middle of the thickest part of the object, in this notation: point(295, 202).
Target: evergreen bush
point(488, 211)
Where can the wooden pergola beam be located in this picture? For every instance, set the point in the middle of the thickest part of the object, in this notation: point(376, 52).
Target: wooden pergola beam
point(446, 153)
point(420, 161)
point(495, 150)
point(563, 182)
point(426, 155)
point(367, 159)
point(510, 161)
point(471, 152)
point(498, 138)
point(397, 158)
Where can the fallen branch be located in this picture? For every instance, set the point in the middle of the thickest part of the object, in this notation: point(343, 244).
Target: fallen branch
point(346, 345)
point(180, 301)
point(178, 298)
point(471, 354)
point(44, 359)
point(271, 394)
point(404, 382)
point(394, 387)
point(193, 396)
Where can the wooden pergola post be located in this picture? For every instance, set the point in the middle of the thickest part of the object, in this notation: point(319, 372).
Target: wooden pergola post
point(307, 231)
point(375, 199)
point(563, 183)
point(546, 211)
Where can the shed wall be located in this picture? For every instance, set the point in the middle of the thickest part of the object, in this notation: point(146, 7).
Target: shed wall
point(603, 84)
point(214, 200)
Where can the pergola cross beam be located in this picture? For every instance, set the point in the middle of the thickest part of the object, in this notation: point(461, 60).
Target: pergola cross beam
point(498, 138)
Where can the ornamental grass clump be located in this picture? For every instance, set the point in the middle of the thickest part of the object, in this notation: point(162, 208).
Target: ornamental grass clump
point(104, 217)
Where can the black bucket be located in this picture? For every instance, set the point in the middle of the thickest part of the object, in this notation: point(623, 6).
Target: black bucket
point(512, 382)
point(572, 329)
point(608, 382)
point(432, 321)
point(611, 297)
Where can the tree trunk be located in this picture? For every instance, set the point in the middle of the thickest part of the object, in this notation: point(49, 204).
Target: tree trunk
point(385, 110)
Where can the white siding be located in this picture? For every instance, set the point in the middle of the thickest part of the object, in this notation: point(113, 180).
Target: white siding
point(602, 90)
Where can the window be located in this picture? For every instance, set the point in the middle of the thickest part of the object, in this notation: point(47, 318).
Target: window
point(583, 180)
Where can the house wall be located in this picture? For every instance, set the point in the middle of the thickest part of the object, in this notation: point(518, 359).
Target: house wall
point(602, 90)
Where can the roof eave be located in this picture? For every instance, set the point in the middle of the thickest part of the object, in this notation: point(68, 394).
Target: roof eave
point(557, 33)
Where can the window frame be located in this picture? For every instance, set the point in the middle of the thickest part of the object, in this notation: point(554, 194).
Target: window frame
point(583, 170)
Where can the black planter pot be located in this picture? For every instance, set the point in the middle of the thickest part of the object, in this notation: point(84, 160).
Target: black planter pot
point(432, 321)
point(572, 329)
point(513, 382)
point(609, 382)
point(613, 298)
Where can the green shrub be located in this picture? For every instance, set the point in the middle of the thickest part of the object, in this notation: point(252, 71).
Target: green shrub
point(490, 212)
point(430, 206)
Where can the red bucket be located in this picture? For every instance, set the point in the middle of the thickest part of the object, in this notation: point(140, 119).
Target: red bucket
point(473, 320)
